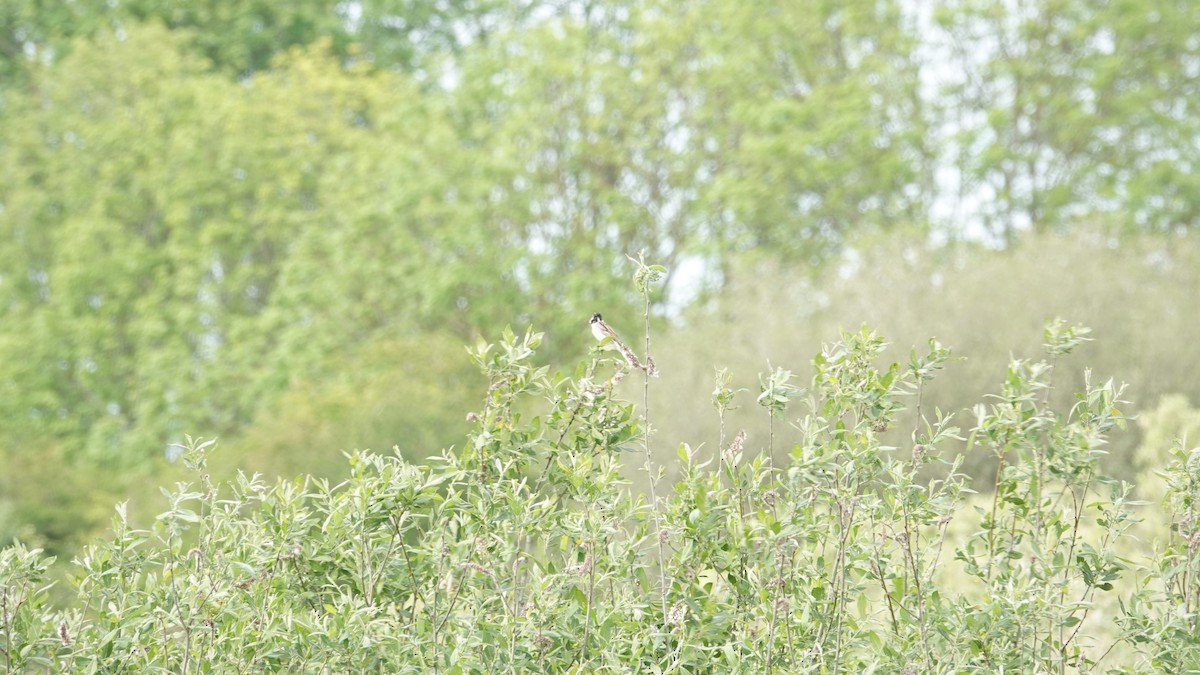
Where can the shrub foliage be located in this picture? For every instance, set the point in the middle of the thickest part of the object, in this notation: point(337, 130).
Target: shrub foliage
point(529, 549)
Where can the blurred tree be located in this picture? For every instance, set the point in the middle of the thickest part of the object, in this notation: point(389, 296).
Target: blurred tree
point(413, 34)
point(87, 242)
point(242, 36)
point(818, 121)
point(32, 34)
point(178, 247)
point(690, 131)
point(411, 393)
point(1070, 110)
point(234, 36)
point(576, 116)
point(1172, 423)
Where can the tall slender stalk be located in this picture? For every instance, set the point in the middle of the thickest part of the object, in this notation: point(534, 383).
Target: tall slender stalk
point(644, 276)
point(658, 531)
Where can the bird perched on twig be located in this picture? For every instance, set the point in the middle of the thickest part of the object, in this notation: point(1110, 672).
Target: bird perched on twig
point(602, 331)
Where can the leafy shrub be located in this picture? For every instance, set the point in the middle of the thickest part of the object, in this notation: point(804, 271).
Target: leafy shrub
point(527, 549)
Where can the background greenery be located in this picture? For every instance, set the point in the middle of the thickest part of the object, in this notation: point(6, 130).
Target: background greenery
point(278, 223)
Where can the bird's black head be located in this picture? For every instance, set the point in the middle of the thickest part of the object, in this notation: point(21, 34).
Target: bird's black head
point(596, 318)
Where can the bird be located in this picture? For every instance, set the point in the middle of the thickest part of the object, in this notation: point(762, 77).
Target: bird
point(602, 332)
point(601, 329)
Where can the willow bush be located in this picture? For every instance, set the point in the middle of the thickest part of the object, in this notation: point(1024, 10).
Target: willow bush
point(526, 549)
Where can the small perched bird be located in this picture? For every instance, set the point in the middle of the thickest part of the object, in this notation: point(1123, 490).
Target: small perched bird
point(601, 329)
point(603, 332)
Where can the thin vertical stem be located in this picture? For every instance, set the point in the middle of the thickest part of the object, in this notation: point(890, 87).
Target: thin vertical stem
point(658, 532)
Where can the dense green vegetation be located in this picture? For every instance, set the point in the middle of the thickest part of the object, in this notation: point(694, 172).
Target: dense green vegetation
point(276, 223)
point(526, 550)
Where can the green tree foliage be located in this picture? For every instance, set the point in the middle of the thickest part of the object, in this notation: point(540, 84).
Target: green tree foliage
point(408, 393)
point(1068, 110)
point(815, 111)
point(180, 246)
point(235, 37)
point(33, 34)
point(586, 173)
point(415, 34)
point(240, 36)
point(690, 131)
